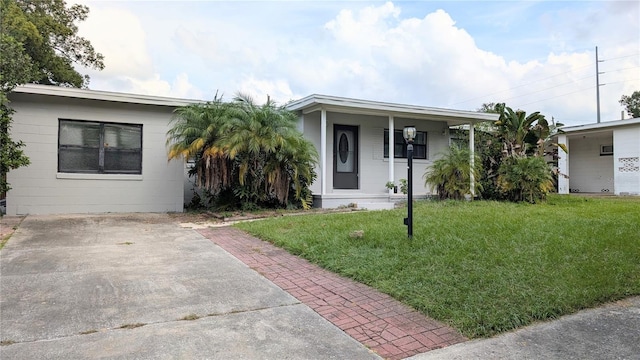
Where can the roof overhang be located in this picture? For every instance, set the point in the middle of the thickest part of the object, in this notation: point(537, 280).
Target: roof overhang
point(316, 102)
point(599, 127)
point(86, 94)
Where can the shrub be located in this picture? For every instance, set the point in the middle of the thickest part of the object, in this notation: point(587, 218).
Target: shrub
point(450, 174)
point(525, 179)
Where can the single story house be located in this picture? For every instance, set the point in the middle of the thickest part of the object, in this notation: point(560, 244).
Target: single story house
point(353, 139)
point(603, 158)
point(97, 151)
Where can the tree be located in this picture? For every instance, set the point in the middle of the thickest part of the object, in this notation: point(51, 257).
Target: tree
point(631, 104)
point(38, 43)
point(450, 174)
point(48, 33)
point(245, 154)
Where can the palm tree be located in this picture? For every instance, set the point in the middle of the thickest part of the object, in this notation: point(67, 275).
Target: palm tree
point(450, 174)
point(195, 135)
point(254, 151)
point(519, 131)
point(273, 157)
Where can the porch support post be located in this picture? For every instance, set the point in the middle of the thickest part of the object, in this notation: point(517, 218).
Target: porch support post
point(323, 151)
point(391, 151)
point(472, 156)
point(563, 166)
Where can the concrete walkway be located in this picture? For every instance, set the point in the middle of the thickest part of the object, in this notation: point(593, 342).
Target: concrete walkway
point(139, 286)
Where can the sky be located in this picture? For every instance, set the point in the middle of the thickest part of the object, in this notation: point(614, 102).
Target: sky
point(531, 55)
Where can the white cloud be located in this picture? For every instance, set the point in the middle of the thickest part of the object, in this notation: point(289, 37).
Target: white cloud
point(378, 52)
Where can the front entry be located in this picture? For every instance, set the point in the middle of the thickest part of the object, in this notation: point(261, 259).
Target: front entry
point(345, 157)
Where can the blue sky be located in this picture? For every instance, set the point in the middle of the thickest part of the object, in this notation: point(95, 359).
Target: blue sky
point(533, 55)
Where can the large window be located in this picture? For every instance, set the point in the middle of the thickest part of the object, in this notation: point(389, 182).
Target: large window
point(99, 148)
point(400, 146)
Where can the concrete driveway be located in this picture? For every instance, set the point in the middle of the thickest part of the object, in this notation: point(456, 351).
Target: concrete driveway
point(140, 286)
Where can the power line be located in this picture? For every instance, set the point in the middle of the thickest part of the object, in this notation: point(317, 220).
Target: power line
point(522, 85)
point(621, 57)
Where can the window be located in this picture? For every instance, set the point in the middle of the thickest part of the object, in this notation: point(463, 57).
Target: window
point(606, 150)
point(99, 148)
point(400, 146)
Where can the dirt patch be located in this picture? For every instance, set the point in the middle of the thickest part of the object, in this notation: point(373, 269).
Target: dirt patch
point(9, 224)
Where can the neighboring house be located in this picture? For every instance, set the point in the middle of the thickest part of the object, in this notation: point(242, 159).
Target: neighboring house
point(353, 136)
point(96, 151)
point(93, 152)
point(602, 158)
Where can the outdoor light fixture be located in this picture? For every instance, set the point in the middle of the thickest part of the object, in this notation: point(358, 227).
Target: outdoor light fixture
point(409, 133)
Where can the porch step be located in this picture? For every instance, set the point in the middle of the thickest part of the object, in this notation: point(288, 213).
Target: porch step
point(376, 205)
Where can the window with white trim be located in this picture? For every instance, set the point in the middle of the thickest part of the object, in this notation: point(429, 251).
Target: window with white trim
point(99, 147)
point(400, 145)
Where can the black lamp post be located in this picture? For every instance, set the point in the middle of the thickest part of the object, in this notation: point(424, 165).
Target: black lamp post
point(409, 133)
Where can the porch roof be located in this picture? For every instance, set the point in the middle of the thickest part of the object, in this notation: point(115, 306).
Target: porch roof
point(317, 102)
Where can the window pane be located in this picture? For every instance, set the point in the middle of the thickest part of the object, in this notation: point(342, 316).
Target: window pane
point(421, 138)
point(419, 151)
point(79, 133)
point(78, 159)
point(122, 136)
point(399, 151)
point(128, 161)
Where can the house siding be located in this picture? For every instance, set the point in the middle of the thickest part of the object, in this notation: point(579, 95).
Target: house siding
point(589, 172)
point(626, 146)
point(40, 189)
point(373, 167)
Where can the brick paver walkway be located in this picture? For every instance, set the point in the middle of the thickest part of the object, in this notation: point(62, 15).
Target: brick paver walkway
point(391, 329)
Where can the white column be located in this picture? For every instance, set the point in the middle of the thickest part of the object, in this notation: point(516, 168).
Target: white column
point(472, 160)
point(323, 151)
point(563, 166)
point(391, 151)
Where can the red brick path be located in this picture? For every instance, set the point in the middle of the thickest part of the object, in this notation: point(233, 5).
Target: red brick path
point(391, 329)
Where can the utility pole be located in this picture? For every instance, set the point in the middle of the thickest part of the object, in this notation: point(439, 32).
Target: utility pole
point(598, 84)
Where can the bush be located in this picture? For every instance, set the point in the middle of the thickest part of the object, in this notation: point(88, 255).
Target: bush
point(525, 179)
point(450, 175)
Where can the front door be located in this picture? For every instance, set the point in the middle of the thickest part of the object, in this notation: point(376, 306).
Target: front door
point(345, 157)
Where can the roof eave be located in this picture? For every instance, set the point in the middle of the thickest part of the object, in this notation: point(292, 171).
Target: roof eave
point(48, 90)
point(316, 102)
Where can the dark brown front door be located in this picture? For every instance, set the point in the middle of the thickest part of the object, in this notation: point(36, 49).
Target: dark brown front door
point(345, 157)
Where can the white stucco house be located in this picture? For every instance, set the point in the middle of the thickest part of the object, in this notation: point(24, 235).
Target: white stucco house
point(602, 158)
point(96, 151)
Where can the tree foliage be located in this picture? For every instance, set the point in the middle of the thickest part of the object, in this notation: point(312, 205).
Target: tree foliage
point(450, 175)
point(631, 104)
point(245, 154)
point(513, 153)
point(50, 45)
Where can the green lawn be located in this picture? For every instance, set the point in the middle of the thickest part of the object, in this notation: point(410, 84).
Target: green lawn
point(482, 267)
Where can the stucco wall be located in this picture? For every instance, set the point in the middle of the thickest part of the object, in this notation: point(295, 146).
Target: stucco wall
point(373, 167)
point(40, 189)
point(588, 170)
point(626, 144)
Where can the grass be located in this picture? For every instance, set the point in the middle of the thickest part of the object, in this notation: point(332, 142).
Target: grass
point(482, 267)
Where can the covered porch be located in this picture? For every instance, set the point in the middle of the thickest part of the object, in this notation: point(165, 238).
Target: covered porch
point(361, 147)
